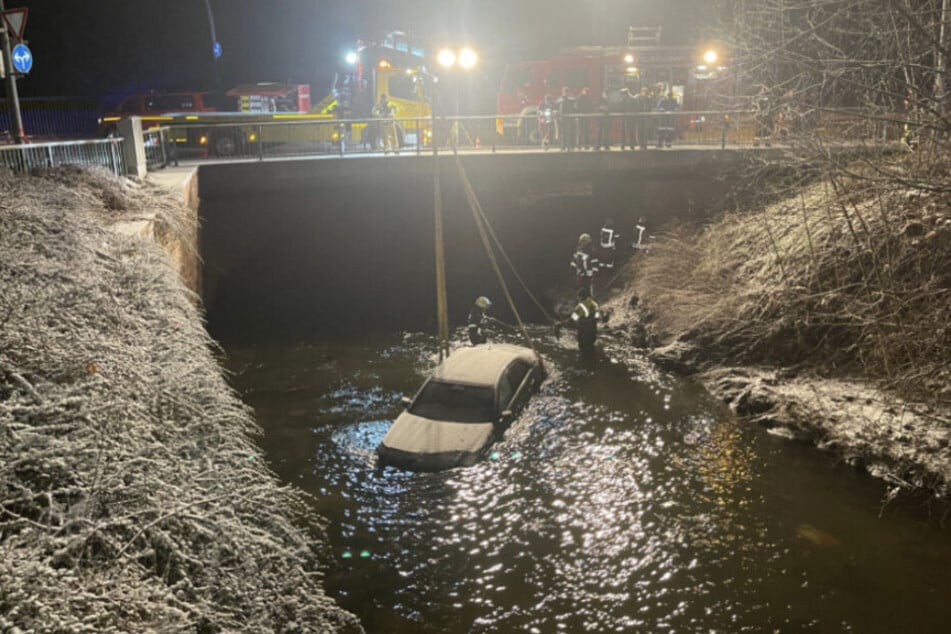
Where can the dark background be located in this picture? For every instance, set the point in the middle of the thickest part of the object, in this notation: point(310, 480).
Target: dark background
point(108, 48)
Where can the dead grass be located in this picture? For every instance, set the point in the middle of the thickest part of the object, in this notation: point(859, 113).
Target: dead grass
point(850, 276)
point(132, 495)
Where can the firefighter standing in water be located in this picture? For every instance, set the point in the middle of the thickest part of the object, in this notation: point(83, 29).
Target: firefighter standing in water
point(478, 320)
point(585, 318)
point(608, 243)
point(584, 263)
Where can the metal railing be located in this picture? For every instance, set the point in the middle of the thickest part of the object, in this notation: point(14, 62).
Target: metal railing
point(48, 118)
point(492, 133)
point(103, 152)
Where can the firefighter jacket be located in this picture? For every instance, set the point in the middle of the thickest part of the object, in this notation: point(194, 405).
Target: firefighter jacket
point(584, 264)
point(609, 237)
point(477, 324)
point(586, 310)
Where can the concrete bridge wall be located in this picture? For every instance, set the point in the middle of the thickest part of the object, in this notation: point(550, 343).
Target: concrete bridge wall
point(298, 248)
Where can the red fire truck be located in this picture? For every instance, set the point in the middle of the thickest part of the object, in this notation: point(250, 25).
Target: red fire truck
point(692, 73)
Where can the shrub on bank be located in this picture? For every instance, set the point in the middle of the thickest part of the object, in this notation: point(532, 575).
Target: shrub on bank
point(850, 276)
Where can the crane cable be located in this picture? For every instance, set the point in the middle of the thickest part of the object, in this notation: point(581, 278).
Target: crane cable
point(499, 246)
point(481, 224)
point(442, 311)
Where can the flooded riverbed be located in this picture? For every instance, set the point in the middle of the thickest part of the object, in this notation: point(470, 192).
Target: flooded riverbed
point(622, 499)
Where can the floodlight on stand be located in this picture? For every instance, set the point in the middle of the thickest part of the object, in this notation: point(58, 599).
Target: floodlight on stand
point(446, 58)
point(468, 58)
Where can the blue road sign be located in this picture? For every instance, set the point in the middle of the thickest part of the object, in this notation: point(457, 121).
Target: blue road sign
point(22, 58)
point(216, 49)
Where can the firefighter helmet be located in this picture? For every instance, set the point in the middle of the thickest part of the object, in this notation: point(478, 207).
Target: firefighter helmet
point(584, 240)
point(483, 302)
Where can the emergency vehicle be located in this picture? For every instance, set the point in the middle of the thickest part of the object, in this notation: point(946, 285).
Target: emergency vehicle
point(396, 67)
point(694, 74)
point(237, 123)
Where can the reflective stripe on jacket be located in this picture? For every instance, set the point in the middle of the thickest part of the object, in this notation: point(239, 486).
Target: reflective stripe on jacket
point(584, 264)
point(586, 309)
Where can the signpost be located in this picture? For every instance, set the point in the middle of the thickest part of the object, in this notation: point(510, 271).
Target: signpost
point(15, 21)
point(12, 24)
point(22, 58)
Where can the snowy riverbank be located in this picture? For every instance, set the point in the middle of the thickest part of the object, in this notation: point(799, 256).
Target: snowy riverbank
point(821, 315)
point(132, 494)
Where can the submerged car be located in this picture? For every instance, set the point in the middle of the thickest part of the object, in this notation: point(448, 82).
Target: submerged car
point(463, 408)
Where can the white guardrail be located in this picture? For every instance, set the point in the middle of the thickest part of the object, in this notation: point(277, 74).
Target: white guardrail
point(102, 152)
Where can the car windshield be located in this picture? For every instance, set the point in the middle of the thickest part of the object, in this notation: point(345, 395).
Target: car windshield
point(453, 402)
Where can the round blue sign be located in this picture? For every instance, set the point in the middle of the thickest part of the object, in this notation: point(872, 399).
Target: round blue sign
point(22, 58)
point(216, 49)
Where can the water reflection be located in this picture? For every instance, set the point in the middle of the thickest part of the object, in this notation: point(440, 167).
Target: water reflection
point(620, 500)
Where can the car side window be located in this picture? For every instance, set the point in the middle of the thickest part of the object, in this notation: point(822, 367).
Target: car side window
point(505, 392)
point(511, 380)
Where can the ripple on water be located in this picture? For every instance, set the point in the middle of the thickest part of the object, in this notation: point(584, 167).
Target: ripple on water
point(619, 500)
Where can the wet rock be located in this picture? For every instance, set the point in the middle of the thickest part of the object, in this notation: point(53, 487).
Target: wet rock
point(677, 356)
point(753, 403)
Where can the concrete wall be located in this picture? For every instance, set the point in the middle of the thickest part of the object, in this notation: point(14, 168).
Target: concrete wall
point(183, 250)
point(298, 248)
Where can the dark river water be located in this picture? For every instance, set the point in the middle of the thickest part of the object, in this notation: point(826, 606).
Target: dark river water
point(623, 499)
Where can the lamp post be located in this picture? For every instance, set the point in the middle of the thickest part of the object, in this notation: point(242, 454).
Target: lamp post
point(466, 59)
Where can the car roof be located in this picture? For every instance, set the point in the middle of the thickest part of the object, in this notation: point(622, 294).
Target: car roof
point(482, 364)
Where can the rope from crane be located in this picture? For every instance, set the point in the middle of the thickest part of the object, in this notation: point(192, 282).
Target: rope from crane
point(442, 311)
point(485, 230)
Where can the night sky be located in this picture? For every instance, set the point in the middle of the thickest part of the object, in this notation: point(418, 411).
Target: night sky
point(109, 47)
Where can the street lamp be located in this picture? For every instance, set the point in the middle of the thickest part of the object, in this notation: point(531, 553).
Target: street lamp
point(467, 59)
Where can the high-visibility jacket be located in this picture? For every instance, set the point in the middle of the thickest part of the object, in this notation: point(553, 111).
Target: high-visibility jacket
point(584, 264)
point(586, 309)
point(477, 322)
point(609, 237)
point(585, 317)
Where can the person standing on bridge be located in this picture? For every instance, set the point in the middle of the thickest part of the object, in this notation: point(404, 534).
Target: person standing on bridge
point(604, 122)
point(385, 111)
point(643, 104)
point(763, 117)
point(585, 107)
point(584, 263)
point(628, 109)
point(566, 120)
point(546, 121)
point(666, 131)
